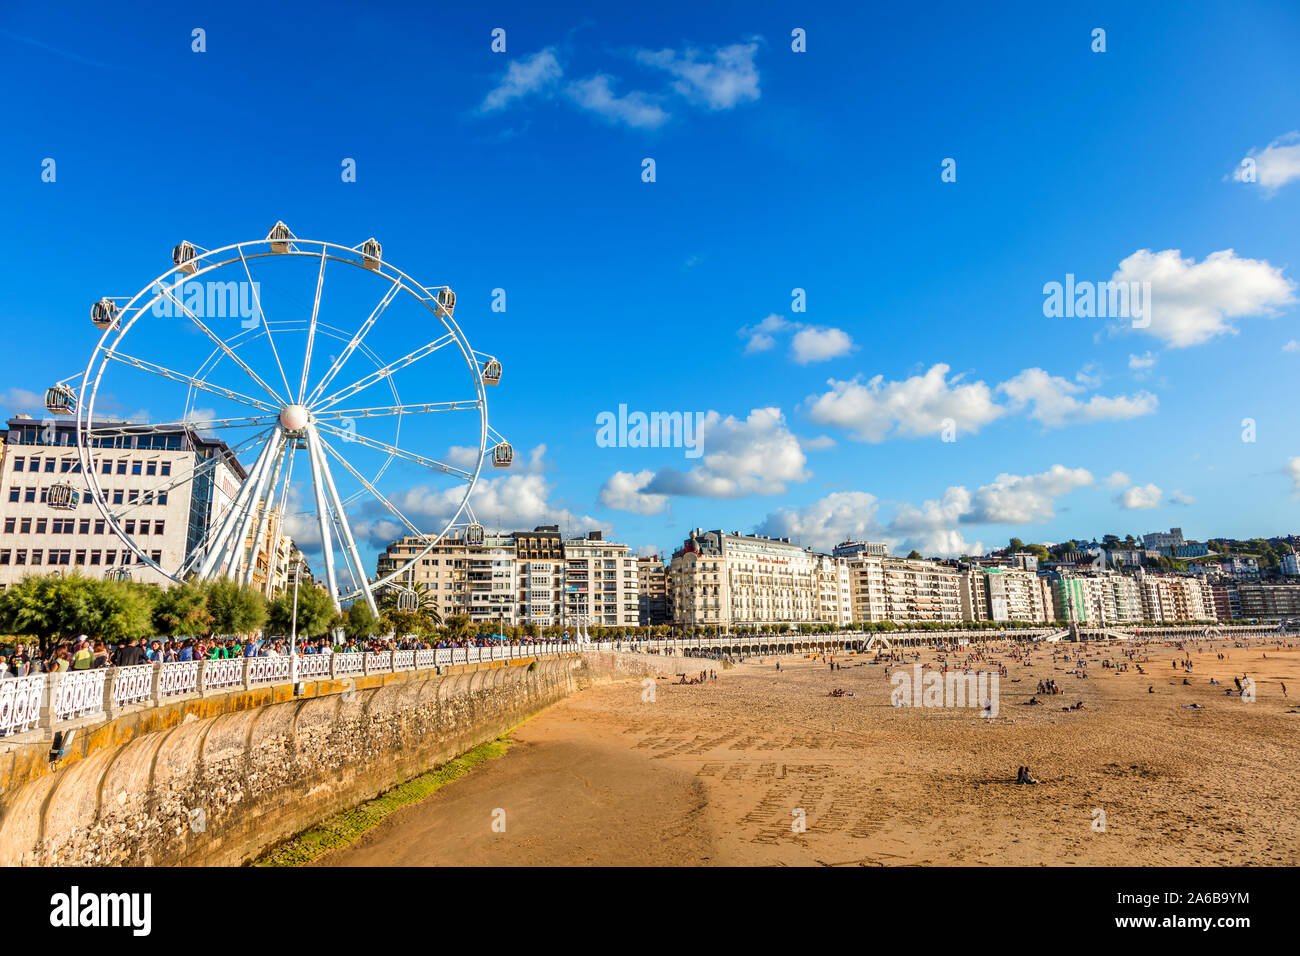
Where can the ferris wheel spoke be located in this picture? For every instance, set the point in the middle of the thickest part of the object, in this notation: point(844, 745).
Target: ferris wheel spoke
point(221, 344)
point(365, 483)
point(350, 436)
point(219, 547)
point(356, 340)
point(198, 383)
point(272, 565)
point(323, 517)
point(197, 424)
point(350, 552)
point(263, 516)
point(257, 299)
point(382, 373)
point(311, 329)
point(382, 410)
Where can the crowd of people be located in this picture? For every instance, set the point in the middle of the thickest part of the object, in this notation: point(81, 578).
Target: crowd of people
point(85, 653)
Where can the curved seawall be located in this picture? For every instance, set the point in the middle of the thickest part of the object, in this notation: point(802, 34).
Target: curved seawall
point(216, 780)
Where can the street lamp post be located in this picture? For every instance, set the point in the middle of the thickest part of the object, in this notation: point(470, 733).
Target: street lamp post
point(293, 627)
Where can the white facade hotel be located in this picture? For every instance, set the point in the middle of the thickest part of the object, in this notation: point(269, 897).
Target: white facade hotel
point(166, 489)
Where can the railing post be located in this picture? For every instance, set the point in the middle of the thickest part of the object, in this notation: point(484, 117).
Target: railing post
point(248, 669)
point(200, 681)
point(110, 678)
point(392, 660)
point(156, 692)
point(333, 660)
point(365, 662)
point(49, 695)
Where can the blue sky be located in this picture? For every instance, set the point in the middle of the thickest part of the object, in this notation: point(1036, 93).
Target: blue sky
point(774, 170)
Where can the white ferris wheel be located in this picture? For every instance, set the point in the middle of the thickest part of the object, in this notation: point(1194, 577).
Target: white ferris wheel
point(326, 370)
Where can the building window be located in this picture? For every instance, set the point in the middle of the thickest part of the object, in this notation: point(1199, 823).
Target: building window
point(40, 525)
point(135, 467)
point(121, 466)
point(130, 527)
point(36, 555)
point(151, 468)
point(20, 556)
point(80, 556)
point(29, 495)
point(4, 556)
point(49, 464)
point(9, 525)
point(133, 496)
point(85, 526)
point(165, 468)
point(65, 464)
point(106, 467)
point(162, 497)
point(99, 526)
point(18, 463)
point(117, 496)
point(14, 493)
point(95, 556)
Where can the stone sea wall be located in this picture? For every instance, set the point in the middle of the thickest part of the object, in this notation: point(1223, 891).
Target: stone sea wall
point(216, 780)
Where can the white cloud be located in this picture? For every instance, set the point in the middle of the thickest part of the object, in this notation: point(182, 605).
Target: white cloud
point(1293, 472)
point(820, 443)
point(1118, 479)
point(1292, 346)
point(622, 492)
point(1276, 164)
point(719, 81)
point(1178, 498)
point(525, 76)
point(911, 408)
point(820, 344)
point(758, 455)
point(1140, 498)
point(841, 516)
point(636, 109)
point(1192, 302)
point(1140, 362)
point(1025, 499)
point(760, 336)
point(933, 527)
point(461, 456)
point(21, 400)
point(1054, 403)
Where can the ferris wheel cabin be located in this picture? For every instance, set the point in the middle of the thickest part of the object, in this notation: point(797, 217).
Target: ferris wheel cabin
point(104, 314)
point(63, 497)
point(502, 455)
point(60, 400)
point(371, 253)
point(446, 302)
point(492, 373)
point(474, 534)
point(279, 236)
point(184, 257)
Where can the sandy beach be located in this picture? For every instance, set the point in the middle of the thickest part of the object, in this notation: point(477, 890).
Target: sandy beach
point(716, 773)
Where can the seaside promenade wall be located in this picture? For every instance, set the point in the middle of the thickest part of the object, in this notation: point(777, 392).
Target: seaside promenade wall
point(218, 779)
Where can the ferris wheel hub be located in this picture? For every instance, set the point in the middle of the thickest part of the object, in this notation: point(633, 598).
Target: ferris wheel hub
point(294, 418)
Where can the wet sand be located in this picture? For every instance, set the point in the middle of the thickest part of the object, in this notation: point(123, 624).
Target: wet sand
point(712, 774)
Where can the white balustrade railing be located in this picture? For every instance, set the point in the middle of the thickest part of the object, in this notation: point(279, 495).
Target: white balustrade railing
point(20, 703)
point(313, 665)
point(82, 693)
point(178, 677)
point(131, 685)
point(268, 670)
point(226, 672)
point(345, 664)
point(79, 693)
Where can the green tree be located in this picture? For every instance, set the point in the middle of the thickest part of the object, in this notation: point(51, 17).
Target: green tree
point(119, 610)
point(359, 622)
point(235, 609)
point(182, 611)
point(914, 554)
point(315, 612)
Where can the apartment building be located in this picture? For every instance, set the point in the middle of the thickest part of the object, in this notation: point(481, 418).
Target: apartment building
point(1096, 598)
point(166, 487)
point(1172, 597)
point(444, 570)
point(600, 582)
point(733, 579)
point(652, 591)
point(1241, 601)
point(857, 549)
point(1005, 594)
point(539, 557)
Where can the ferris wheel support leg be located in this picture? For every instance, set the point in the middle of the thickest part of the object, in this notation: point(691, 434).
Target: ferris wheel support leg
point(345, 530)
point(233, 559)
point(322, 516)
point(217, 548)
point(263, 517)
